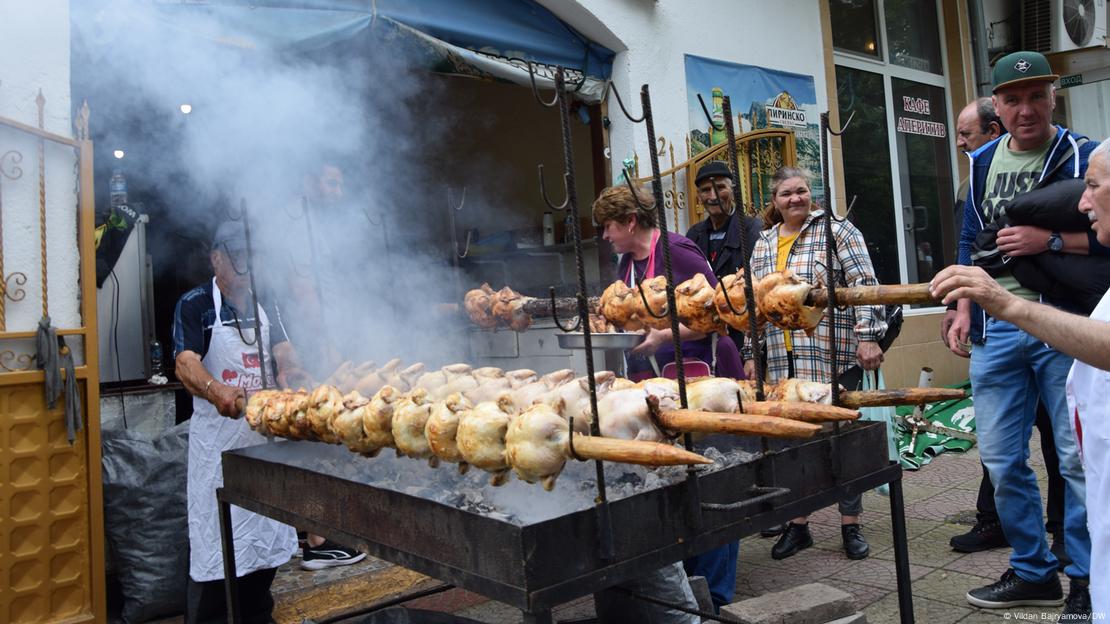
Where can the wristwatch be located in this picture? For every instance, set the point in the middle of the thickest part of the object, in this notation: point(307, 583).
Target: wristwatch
point(1055, 242)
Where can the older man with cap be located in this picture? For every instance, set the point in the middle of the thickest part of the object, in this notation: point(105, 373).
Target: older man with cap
point(718, 236)
point(216, 355)
point(1010, 368)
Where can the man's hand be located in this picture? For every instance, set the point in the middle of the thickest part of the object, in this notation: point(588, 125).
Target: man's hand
point(1022, 240)
point(964, 282)
point(224, 398)
point(946, 324)
point(869, 355)
point(653, 339)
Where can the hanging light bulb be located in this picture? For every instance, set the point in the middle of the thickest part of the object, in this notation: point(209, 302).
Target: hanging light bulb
point(186, 109)
point(118, 153)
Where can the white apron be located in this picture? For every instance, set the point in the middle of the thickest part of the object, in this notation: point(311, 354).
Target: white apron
point(1088, 388)
point(259, 541)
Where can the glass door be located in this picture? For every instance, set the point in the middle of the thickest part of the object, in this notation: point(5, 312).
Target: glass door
point(924, 177)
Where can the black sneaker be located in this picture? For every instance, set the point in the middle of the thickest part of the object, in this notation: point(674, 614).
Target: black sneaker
point(982, 536)
point(329, 555)
point(1012, 591)
point(1077, 607)
point(854, 545)
point(1061, 553)
point(796, 537)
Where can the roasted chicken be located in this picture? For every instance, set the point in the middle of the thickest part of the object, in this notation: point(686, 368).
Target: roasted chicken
point(694, 304)
point(443, 426)
point(781, 298)
point(734, 284)
point(481, 436)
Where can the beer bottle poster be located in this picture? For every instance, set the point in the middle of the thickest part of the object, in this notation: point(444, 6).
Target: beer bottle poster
point(761, 98)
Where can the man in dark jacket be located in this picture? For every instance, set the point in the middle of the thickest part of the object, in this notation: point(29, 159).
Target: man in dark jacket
point(718, 236)
point(1009, 367)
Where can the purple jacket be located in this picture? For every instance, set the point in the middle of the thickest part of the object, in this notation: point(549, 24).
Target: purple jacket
point(686, 261)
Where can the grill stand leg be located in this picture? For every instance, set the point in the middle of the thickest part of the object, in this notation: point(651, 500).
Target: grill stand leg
point(901, 552)
point(231, 580)
point(539, 617)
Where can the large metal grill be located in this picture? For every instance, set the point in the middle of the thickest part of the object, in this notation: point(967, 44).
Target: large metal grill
point(535, 566)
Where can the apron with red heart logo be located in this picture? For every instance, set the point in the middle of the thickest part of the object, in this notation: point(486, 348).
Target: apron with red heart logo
point(260, 542)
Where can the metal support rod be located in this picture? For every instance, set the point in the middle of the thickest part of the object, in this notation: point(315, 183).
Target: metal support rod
point(605, 537)
point(254, 293)
point(694, 508)
point(749, 294)
point(830, 257)
point(901, 552)
point(227, 540)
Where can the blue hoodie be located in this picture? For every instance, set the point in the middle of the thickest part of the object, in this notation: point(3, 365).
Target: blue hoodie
point(1066, 159)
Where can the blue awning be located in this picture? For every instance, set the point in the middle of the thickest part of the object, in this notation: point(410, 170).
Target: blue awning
point(485, 38)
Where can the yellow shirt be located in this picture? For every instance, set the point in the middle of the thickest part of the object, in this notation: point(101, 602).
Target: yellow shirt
point(785, 243)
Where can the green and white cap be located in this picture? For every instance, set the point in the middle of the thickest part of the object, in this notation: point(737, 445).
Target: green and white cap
point(1021, 67)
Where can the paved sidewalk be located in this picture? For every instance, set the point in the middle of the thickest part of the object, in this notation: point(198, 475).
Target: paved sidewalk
point(939, 499)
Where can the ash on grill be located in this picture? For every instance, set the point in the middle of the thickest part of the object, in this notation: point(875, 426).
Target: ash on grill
point(516, 502)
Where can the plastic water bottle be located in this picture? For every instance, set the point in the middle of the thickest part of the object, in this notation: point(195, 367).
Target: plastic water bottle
point(156, 358)
point(117, 189)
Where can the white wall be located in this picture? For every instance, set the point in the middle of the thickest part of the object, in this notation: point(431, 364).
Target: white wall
point(34, 46)
point(653, 38)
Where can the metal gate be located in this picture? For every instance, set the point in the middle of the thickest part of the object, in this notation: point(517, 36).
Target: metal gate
point(52, 522)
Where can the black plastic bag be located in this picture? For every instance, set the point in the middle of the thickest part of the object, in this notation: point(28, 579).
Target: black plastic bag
point(145, 519)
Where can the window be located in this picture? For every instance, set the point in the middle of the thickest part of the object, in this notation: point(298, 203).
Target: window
point(854, 26)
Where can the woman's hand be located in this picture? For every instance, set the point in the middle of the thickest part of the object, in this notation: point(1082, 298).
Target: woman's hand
point(869, 355)
point(749, 369)
point(653, 339)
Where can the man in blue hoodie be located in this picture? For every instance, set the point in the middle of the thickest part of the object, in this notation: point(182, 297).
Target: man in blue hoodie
point(1010, 368)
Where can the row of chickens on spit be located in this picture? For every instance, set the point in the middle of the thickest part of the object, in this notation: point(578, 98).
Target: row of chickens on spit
point(502, 421)
point(782, 298)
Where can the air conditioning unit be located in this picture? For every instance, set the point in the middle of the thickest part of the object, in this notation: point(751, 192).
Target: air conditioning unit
point(1060, 25)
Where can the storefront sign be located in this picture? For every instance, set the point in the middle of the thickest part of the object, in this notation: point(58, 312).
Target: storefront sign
point(1073, 80)
point(786, 117)
point(920, 126)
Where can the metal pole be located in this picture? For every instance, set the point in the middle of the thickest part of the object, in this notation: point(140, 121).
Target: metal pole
point(227, 540)
point(749, 294)
point(694, 509)
point(830, 257)
point(254, 294)
point(901, 552)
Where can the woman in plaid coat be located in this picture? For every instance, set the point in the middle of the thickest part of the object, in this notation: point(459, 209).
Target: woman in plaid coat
point(796, 240)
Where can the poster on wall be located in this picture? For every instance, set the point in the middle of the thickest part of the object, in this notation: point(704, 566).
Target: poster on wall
point(760, 98)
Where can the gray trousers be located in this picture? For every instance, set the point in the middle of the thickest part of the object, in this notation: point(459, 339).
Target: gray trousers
point(668, 584)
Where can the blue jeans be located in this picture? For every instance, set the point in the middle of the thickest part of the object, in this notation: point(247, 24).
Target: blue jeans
point(1009, 372)
point(718, 566)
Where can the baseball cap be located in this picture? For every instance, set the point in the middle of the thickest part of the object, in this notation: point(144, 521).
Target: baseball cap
point(713, 169)
point(230, 236)
point(1021, 67)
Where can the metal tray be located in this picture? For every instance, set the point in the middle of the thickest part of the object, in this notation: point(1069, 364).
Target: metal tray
point(606, 342)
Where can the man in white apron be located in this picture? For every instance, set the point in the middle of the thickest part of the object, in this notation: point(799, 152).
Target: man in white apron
point(216, 355)
point(1088, 383)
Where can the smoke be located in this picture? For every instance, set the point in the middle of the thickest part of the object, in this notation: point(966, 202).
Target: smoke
point(264, 122)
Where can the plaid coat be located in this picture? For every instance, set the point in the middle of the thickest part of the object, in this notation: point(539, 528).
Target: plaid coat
point(807, 260)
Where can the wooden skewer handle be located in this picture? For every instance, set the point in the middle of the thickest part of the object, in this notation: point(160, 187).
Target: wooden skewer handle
point(805, 412)
point(633, 452)
point(873, 295)
point(737, 424)
point(899, 396)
